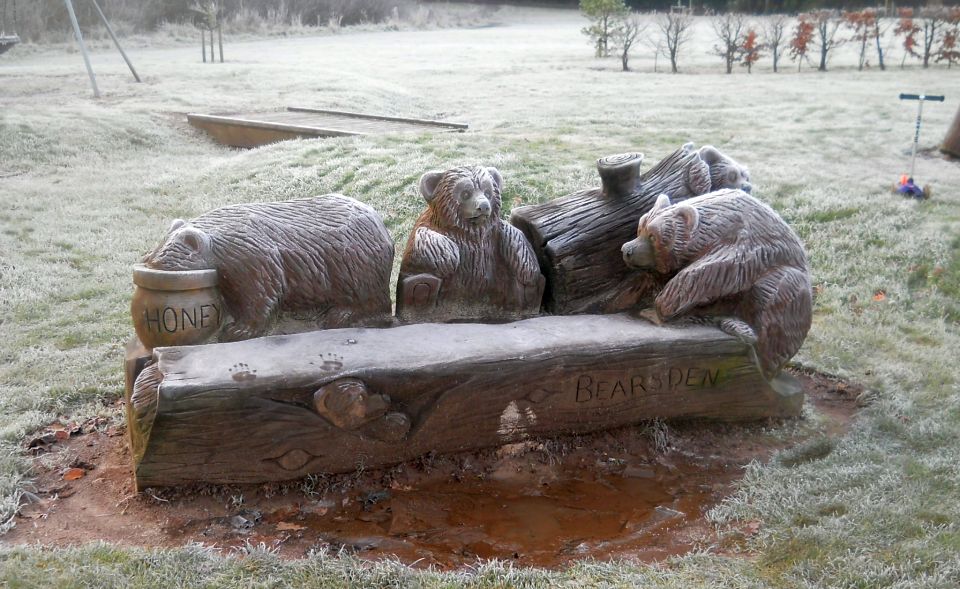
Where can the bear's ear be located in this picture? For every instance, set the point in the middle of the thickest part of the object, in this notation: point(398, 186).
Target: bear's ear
point(709, 154)
point(176, 224)
point(663, 201)
point(193, 238)
point(428, 184)
point(497, 178)
point(690, 216)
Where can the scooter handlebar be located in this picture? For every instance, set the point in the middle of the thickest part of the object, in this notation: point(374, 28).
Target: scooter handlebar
point(921, 97)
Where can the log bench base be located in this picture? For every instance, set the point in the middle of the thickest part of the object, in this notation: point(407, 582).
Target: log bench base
point(282, 407)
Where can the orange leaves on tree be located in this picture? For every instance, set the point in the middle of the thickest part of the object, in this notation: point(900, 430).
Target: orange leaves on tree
point(802, 37)
point(907, 29)
point(750, 50)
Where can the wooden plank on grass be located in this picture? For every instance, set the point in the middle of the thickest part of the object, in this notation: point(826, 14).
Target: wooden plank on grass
point(261, 128)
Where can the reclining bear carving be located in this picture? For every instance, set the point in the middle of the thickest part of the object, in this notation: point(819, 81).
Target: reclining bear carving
point(328, 257)
point(732, 255)
point(462, 261)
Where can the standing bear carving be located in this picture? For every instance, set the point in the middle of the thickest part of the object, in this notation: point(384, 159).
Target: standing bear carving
point(730, 255)
point(462, 261)
point(327, 257)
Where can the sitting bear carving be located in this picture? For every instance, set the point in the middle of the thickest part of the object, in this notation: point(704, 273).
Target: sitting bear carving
point(729, 255)
point(462, 261)
point(327, 257)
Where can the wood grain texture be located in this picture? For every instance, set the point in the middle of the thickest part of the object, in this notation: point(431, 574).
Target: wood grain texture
point(244, 411)
point(462, 261)
point(577, 238)
point(326, 258)
point(729, 254)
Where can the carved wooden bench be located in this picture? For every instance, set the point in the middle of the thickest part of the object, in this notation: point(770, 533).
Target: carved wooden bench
point(282, 407)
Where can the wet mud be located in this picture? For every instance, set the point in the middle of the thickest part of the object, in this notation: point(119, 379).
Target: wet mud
point(637, 493)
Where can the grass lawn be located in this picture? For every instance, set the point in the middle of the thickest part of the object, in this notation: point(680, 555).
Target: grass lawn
point(86, 186)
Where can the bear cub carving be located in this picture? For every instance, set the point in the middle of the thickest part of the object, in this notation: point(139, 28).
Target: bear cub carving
point(327, 257)
point(462, 261)
point(729, 255)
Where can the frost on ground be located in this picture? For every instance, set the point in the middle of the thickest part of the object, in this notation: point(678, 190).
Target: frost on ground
point(87, 186)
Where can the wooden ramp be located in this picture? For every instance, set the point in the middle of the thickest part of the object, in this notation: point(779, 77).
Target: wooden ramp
point(261, 128)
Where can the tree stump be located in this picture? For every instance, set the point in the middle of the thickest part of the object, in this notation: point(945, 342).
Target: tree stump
point(282, 407)
point(951, 143)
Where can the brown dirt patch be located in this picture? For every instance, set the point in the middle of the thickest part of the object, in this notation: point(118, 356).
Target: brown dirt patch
point(639, 492)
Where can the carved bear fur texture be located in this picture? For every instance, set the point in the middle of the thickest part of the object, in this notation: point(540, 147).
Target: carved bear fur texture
point(328, 257)
point(462, 261)
point(711, 171)
point(729, 254)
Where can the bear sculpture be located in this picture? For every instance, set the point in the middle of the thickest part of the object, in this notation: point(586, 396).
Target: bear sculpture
point(327, 257)
point(462, 261)
point(732, 257)
point(577, 237)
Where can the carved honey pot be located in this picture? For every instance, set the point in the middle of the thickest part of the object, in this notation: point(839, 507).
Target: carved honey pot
point(175, 307)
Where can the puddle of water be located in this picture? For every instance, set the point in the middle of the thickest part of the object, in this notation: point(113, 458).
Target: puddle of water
point(546, 503)
point(553, 517)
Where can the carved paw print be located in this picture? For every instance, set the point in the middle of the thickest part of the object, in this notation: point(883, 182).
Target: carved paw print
point(240, 372)
point(331, 362)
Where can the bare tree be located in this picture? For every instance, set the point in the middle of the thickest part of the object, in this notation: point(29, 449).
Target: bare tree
point(729, 30)
point(933, 22)
point(880, 28)
point(775, 36)
point(826, 25)
point(625, 35)
point(675, 31)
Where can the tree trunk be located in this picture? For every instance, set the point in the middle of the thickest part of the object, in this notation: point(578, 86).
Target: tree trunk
point(883, 67)
point(203, 44)
point(951, 143)
point(624, 58)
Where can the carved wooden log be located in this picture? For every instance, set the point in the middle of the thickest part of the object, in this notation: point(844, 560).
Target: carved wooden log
point(266, 409)
point(577, 238)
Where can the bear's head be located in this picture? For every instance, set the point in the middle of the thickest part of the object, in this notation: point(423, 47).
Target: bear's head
point(184, 248)
point(663, 238)
point(724, 171)
point(463, 198)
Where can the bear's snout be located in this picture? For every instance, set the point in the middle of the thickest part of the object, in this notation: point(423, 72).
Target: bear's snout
point(638, 254)
point(746, 187)
point(483, 207)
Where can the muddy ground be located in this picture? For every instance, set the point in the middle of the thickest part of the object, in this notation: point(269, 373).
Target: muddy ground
point(639, 492)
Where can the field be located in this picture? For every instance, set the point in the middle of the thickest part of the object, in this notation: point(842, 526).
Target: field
point(86, 186)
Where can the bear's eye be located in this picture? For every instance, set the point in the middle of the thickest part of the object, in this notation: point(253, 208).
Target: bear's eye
point(465, 195)
point(732, 175)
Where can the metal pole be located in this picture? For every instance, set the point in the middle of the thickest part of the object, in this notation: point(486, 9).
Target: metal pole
point(203, 45)
point(83, 47)
point(106, 23)
point(916, 136)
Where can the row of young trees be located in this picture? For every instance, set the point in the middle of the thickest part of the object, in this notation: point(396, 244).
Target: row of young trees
point(930, 35)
